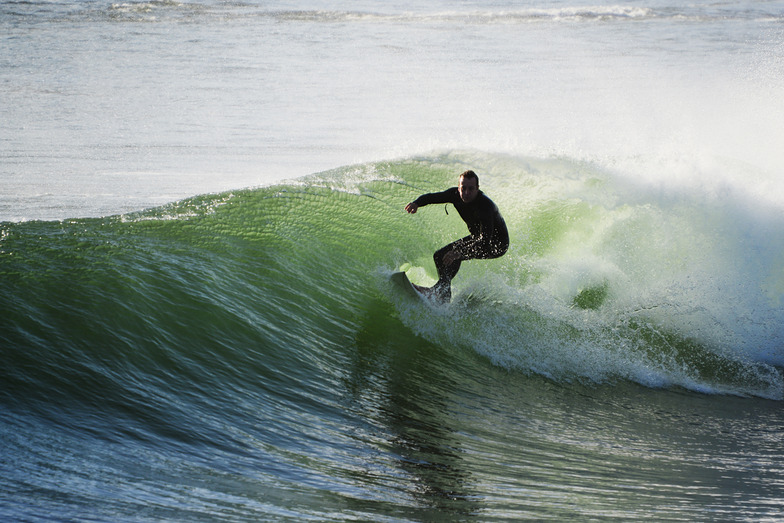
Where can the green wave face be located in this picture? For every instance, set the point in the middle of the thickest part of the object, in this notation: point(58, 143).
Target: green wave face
point(605, 280)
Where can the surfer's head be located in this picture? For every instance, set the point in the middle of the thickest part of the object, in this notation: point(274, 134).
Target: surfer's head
point(468, 186)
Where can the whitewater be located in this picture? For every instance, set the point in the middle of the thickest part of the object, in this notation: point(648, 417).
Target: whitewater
point(201, 204)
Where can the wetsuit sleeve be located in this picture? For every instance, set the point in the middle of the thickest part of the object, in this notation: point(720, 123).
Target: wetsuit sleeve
point(447, 196)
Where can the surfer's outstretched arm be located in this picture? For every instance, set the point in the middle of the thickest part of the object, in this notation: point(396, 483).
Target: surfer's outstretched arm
point(448, 196)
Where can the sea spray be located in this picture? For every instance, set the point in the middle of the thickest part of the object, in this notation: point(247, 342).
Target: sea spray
point(607, 280)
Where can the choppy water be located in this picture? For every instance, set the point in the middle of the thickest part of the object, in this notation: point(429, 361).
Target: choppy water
point(242, 355)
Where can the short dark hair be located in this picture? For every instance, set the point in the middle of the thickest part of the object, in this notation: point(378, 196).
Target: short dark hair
point(470, 175)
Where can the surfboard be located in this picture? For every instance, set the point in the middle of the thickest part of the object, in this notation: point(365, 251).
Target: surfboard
point(402, 281)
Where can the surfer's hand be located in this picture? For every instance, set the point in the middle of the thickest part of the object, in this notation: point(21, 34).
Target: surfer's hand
point(411, 208)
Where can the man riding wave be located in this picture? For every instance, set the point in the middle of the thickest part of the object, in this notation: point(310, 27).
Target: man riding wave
point(488, 238)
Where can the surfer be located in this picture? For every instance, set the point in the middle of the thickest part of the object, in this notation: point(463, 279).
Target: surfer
point(488, 236)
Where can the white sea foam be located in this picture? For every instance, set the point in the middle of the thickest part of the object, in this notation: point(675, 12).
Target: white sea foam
point(608, 279)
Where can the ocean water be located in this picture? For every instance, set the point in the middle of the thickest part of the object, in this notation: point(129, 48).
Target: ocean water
point(201, 204)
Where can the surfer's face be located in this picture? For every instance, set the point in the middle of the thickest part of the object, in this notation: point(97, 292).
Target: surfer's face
point(468, 189)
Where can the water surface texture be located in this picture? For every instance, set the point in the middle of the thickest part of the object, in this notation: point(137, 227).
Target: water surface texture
point(201, 204)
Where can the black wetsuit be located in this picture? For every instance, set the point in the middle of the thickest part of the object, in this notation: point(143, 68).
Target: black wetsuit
point(489, 236)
